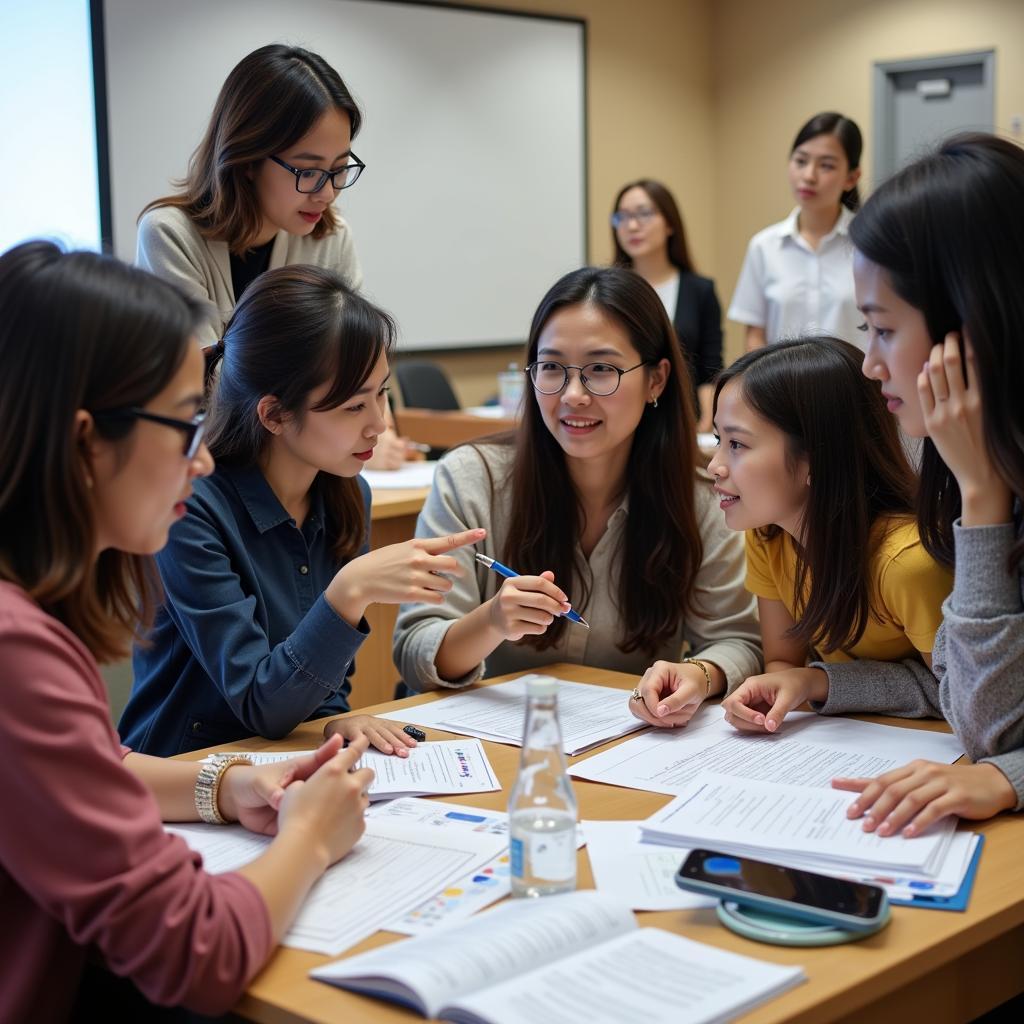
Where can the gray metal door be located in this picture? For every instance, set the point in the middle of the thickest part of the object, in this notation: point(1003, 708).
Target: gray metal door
point(920, 102)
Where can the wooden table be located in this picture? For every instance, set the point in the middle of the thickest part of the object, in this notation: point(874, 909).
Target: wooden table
point(928, 965)
point(447, 429)
point(392, 520)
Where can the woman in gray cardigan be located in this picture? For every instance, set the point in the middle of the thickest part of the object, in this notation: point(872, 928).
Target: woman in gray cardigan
point(259, 192)
point(939, 262)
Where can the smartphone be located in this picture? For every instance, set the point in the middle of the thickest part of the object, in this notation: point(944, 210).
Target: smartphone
point(789, 892)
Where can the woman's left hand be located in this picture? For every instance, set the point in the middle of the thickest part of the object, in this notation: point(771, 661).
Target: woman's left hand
point(951, 403)
point(671, 693)
point(252, 794)
point(917, 795)
point(384, 735)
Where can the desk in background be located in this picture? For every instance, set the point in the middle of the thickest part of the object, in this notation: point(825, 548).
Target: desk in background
point(932, 965)
point(447, 429)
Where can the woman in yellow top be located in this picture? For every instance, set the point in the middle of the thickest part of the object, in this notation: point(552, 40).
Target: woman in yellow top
point(810, 464)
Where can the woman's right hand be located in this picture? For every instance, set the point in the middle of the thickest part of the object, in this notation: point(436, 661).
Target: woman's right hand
point(413, 571)
point(761, 702)
point(328, 808)
point(526, 605)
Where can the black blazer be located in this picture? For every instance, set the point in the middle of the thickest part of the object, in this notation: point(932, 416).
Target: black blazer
point(698, 324)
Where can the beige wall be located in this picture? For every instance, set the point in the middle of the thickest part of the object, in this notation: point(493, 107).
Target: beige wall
point(777, 63)
point(708, 94)
point(649, 113)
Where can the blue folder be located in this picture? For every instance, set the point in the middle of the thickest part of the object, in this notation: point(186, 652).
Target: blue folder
point(958, 901)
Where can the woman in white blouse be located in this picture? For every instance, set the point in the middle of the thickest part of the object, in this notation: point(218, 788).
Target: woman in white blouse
point(797, 278)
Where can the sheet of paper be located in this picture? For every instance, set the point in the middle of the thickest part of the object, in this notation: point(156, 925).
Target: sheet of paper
point(688, 981)
point(407, 476)
point(809, 750)
point(384, 877)
point(443, 767)
point(640, 875)
point(465, 896)
point(588, 714)
point(735, 815)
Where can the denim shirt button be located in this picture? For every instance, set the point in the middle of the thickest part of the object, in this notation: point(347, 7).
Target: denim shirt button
point(197, 726)
point(304, 569)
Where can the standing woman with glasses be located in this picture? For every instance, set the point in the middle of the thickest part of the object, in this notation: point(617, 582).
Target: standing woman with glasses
point(649, 237)
point(103, 381)
point(597, 497)
point(797, 277)
point(260, 189)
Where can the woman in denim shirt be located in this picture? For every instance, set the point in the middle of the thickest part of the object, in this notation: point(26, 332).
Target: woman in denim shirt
point(268, 574)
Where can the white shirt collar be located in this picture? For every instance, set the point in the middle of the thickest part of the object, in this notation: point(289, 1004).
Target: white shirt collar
point(790, 228)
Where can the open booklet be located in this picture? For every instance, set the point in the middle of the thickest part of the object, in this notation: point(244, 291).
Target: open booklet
point(571, 957)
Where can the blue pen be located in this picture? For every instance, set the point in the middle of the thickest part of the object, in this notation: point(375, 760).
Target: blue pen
point(510, 574)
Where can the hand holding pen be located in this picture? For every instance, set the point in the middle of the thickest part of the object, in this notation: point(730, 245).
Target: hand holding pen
point(526, 605)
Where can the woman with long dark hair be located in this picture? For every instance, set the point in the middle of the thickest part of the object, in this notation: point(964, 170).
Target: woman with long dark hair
point(811, 466)
point(260, 190)
point(649, 237)
point(267, 576)
point(797, 277)
point(599, 500)
point(103, 386)
point(939, 264)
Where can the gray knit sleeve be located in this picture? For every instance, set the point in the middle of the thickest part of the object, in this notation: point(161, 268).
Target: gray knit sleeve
point(906, 689)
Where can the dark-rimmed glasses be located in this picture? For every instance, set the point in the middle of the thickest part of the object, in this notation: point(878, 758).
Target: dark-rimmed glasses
point(312, 179)
point(602, 379)
point(193, 429)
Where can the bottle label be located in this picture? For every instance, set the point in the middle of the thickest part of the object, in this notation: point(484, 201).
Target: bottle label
point(515, 849)
point(544, 856)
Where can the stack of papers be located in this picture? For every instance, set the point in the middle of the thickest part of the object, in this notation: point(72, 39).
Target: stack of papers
point(588, 714)
point(441, 767)
point(750, 819)
point(409, 475)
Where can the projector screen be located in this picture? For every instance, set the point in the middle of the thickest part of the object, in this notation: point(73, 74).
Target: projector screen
point(474, 196)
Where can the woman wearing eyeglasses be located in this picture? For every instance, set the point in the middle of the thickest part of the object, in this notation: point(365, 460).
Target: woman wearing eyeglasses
point(104, 379)
point(260, 189)
point(267, 576)
point(649, 237)
point(598, 499)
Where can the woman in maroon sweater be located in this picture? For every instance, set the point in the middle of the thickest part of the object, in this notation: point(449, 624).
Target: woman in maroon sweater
point(100, 399)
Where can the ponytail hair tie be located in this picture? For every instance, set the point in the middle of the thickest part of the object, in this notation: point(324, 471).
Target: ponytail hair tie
point(213, 355)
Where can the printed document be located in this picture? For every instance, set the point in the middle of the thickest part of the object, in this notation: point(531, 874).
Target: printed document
point(588, 714)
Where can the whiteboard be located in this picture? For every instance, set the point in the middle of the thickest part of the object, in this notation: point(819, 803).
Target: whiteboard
point(473, 199)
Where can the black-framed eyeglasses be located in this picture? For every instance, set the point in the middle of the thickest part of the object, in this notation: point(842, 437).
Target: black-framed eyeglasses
point(193, 429)
point(641, 216)
point(312, 179)
point(603, 379)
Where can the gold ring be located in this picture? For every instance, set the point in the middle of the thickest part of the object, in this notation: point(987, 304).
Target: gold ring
point(636, 694)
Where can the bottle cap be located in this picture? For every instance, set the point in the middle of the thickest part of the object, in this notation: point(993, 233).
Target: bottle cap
point(542, 686)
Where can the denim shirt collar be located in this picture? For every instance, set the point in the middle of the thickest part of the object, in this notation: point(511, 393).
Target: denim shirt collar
point(263, 505)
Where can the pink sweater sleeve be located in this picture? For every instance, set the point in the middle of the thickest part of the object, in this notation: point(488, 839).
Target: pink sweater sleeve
point(89, 849)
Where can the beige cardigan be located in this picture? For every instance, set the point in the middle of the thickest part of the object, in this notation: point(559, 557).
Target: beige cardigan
point(724, 630)
point(170, 246)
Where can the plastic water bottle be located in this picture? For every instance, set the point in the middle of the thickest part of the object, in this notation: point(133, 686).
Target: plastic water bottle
point(510, 389)
point(542, 807)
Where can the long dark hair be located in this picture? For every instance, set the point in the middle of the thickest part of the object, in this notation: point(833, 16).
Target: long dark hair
point(269, 101)
point(949, 232)
point(814, 391)
point(661, 545)
point(77, 331)
point(848, 134)
point(294, 329)
point(678, 249)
